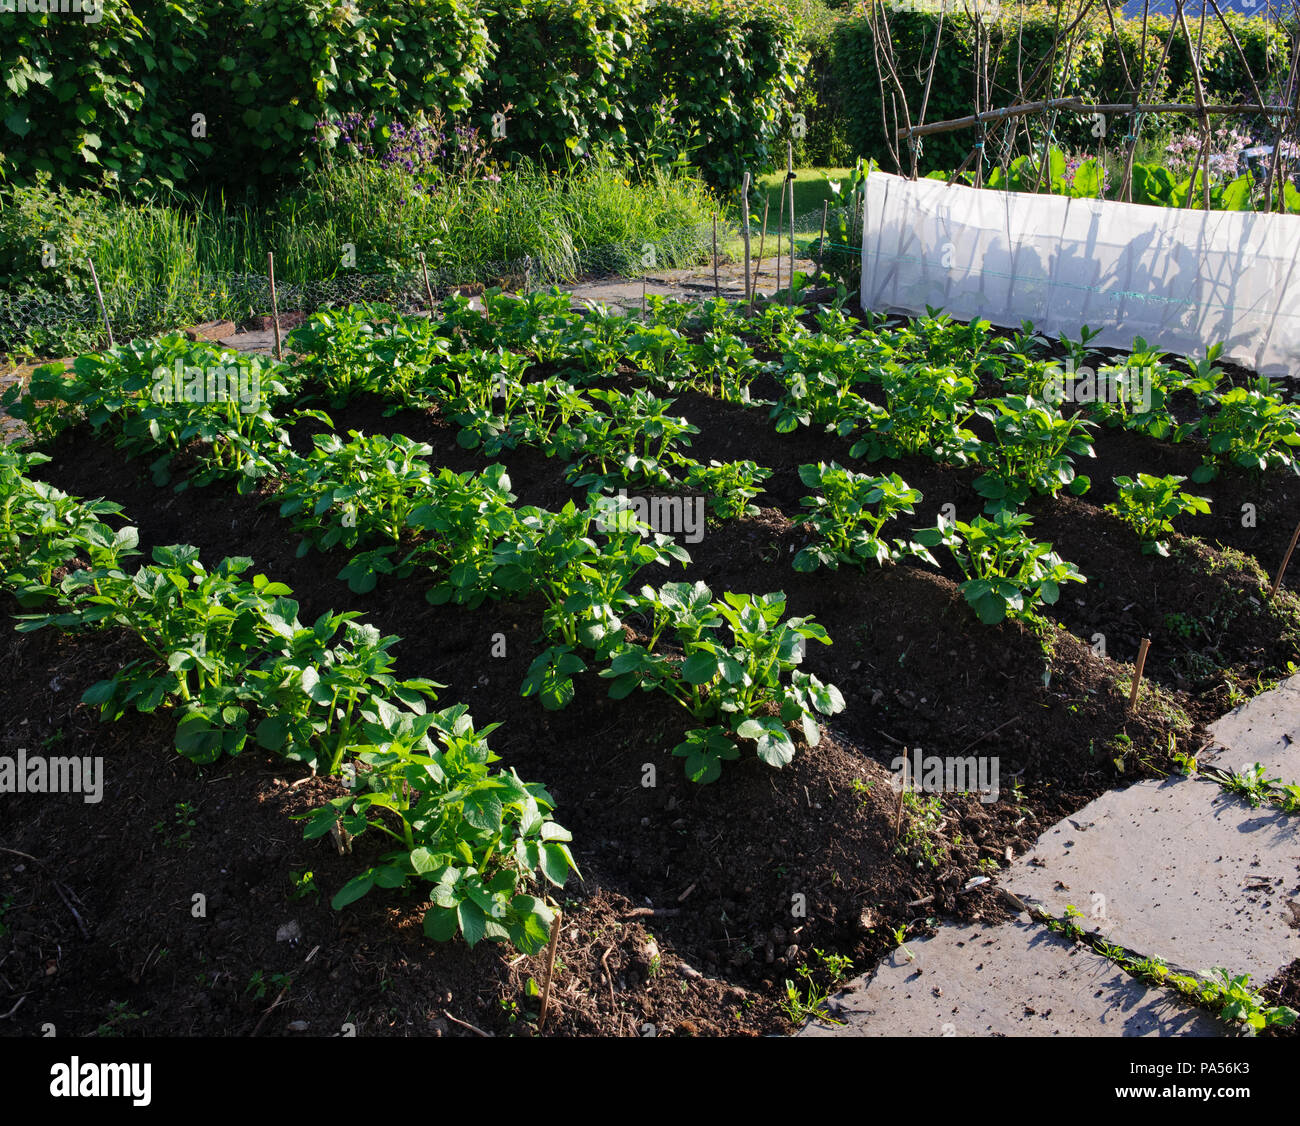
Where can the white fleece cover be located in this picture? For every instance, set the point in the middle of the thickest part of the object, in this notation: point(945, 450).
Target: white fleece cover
point(1180, 279)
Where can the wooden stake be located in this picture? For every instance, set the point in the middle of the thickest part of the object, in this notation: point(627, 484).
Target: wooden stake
point(1137, 672)
point(275, 308)
point(643, 298)
point(744, 213)
point(99, 296)
point(898, 817)
point(758, 267)
point(1277, 579)
point(550, 969)
point(428, 289)
point(717, 289)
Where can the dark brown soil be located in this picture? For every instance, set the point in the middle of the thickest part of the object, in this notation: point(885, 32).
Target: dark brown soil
point(718, 874)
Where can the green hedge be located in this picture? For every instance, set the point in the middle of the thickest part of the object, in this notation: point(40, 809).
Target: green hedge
point(120, 96)
point(1095, 71)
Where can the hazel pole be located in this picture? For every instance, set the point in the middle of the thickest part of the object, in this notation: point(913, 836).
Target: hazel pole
point(744, 211)
point(789, 180)
point(758, 266)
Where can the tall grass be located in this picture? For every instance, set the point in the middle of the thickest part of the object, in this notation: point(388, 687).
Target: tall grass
point(343, 231)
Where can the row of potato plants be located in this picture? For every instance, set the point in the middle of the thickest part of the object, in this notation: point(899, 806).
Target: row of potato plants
point(231, 659)
point(928, 373)
point(381, 495)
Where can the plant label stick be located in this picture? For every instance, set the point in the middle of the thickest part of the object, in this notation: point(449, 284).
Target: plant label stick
point(744, 213)
point(1137, 672)
point(275, 309)
point(99, 296)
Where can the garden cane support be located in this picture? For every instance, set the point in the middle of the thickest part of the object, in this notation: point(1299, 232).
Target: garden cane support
point(428, 289)
point(99, 296)
point(821, 242)
point(758, 266)
point(275, 308)
point(902, 789)
point(717, 288)
point(1277, 579)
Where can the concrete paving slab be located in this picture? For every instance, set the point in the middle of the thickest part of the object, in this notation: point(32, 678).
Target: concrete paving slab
point(1014, 979)
point(1178, 869)
point(1264, 730)
point(255, 340)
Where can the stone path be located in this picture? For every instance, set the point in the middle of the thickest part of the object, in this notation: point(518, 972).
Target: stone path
point(1178, 869)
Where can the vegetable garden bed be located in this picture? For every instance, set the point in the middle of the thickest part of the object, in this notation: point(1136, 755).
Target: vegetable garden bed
point(701, 903)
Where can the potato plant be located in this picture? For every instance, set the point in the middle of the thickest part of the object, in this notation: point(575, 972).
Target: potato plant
point(1149, 505)
point(1032, 451)
point(1252, 429)
point(848, 514)
point(1008, 575)
point(478, 838)
point(731, 685)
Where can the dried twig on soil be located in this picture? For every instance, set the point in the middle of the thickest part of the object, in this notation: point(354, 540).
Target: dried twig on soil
point(58, 887)
point(609, 977)
point(550, 969)
point(986, 734)
point(466, 1024)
